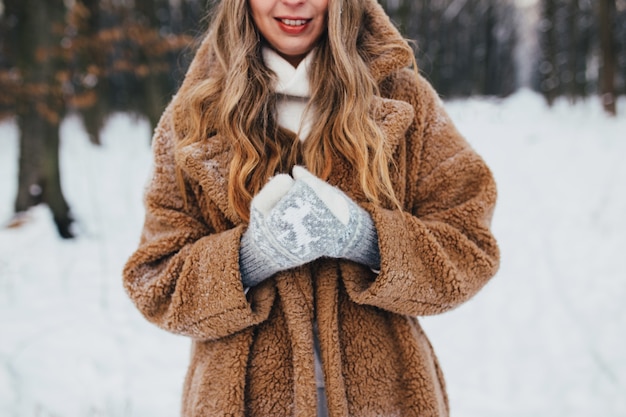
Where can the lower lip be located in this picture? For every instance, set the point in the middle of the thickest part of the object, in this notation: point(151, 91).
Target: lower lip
point(292, 30)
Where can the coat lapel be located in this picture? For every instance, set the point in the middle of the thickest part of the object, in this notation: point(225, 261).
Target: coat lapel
point(393, 117)
point(208, 163)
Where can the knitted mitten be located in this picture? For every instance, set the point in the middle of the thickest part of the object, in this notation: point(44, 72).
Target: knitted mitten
point(256, 261)
point(356, 238)
point(293, 223)
point(286, 232)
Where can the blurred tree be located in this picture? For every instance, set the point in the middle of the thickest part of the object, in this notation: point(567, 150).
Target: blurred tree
point(580, 26)
point(606, 22)
point(464, 47)
point(39, 85)
point(152, 36)
point(88, 62)
point(567, 44)
point(620, 37)
point(582, 44)
point(86, 56)
point(548, 68)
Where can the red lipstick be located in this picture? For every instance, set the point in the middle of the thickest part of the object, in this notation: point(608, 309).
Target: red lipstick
point(293, 26)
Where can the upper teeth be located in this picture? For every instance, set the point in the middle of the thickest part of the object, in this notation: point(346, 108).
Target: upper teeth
point(293, 22)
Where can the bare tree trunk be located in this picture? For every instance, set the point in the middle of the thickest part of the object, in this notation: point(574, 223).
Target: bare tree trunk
point(491, 70)
point(92, 61)
point(29, 191)
point(607, 12)
point(151, 78)
point(548, 67)
point(39, 179)
point(40, 107)
point(569, 77)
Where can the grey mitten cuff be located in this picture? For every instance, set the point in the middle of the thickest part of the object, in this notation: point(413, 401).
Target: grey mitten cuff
point(361, 241)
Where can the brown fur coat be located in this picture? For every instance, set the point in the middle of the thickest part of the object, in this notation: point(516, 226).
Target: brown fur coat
point(252, 354)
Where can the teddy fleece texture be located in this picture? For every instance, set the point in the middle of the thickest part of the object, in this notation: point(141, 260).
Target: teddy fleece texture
point(252, 353)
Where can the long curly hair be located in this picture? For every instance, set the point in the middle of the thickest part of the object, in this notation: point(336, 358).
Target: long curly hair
point(237, 101)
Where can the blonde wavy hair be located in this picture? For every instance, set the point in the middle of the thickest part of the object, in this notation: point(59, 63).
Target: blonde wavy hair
point(237, 100)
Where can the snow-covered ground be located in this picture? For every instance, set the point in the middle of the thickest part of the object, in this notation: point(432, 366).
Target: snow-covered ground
point(544, 338)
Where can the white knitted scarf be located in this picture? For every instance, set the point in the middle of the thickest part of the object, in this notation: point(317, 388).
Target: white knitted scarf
point(293, 91)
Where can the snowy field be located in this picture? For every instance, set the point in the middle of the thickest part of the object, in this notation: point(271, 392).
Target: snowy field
point(545, 338)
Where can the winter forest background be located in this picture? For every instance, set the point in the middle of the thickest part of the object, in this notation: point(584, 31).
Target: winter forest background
point(94, 58)
point(538, 87)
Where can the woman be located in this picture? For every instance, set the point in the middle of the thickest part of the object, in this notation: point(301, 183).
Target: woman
point(310, 198)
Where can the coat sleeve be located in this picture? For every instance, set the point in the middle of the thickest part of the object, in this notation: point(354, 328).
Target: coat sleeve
point(184, 277)
point(439, 251)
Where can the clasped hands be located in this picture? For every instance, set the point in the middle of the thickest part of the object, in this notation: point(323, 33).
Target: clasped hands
point(295, 220)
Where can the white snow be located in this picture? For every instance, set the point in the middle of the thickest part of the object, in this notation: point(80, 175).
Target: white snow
point(544, 338)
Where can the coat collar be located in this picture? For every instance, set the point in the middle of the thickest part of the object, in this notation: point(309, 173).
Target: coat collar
point(378, 26)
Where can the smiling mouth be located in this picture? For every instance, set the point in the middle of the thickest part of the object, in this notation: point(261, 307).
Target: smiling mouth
point(294, 22)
